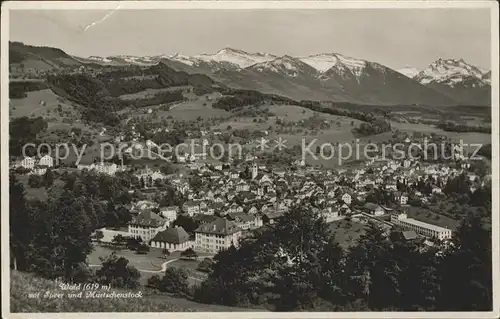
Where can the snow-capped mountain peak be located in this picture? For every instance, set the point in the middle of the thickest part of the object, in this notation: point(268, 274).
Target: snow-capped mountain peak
point(448, 71)
point(321, 62)
point(285, 65)
point(487, 77)
point(409, 71)
point(238, 57)
point(328, 62)
point(184, 59)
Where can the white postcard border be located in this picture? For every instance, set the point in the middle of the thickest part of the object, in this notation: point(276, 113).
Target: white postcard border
point(249, 5)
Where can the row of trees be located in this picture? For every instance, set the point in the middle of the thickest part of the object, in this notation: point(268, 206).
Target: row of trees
point(455, 127)
point(46, 180)
point(371, 128)
point(237, 99)
point(19, 89)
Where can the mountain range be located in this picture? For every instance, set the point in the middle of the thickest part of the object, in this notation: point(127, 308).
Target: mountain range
point(325, 76)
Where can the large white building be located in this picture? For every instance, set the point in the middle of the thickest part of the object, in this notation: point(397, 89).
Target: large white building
point(146, 225)
point(28, 162)
point(102, 168)
point(46, 160)
point(169, 213)
point(421, 228)
point(217, 235)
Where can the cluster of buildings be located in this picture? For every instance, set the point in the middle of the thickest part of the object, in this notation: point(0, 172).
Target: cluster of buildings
point(101, 167)
point(212, 235)
point(34, 165)
point(232, 201)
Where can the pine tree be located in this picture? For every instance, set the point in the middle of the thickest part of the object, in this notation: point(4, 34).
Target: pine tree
point(465, 272)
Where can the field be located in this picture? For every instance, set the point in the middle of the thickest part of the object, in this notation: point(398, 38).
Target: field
point(60, 114)
point(346, 232)
point(150, 264)
point(36, 193)
point(466, 137)
point(193, 108)
point(149, 261)
point(31, 106)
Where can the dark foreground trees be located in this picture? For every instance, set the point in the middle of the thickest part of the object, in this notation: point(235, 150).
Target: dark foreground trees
point(296, 264)
point(53, 238)
point(49, 238)
point(116, 272)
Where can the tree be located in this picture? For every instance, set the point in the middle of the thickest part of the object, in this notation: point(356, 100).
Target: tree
point(117, 272)
point(186, 222)
point(154, 282)
point(175, 281)
point(82, 273)
point(465, 271)
point(189, 253)
point(98, 235)
point(35, 181)
point(20, 222)
point(133, 243)
point(165, 252)
point(48, 178)
point(205, 265)
point(195, 182)
point(142, 249)
point(119, 240)
point(283, 265)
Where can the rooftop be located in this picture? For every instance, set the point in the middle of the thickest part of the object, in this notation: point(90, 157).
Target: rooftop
point(172, 235)
point(424, 225)
point(148, 219)
point(219, 226)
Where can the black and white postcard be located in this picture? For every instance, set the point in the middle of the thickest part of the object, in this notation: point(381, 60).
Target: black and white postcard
point(250, 159)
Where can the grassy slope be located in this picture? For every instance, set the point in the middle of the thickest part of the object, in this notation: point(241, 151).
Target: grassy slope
point(23, 283)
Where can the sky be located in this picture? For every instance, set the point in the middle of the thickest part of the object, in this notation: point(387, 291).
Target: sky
point(394, 37)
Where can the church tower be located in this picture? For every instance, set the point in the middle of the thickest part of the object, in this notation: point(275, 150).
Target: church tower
point(255, 170)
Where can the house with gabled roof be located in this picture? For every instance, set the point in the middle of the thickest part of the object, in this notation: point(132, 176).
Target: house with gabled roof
point(242, 186)
point(173, 239)
point(347, 198)
point(146, 225)
point(374, 209)
point(271, 216)
point(191, 208)
point(169, 212)
point(252, 210)
point(217, 235)
point(330, 214)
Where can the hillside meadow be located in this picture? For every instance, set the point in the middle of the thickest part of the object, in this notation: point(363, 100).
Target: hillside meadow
point(22, 284)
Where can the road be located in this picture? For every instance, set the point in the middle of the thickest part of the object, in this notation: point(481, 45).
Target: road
point(161, 270)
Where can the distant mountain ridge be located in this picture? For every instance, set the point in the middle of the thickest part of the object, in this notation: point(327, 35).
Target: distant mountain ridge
point(325, 76)
point(459, 80)
point(409, 71)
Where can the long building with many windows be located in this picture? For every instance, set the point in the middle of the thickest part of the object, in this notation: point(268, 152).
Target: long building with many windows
point(421, 228)
point(217, 235)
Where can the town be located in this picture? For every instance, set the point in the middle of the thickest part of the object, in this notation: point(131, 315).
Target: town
point(228, 201)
